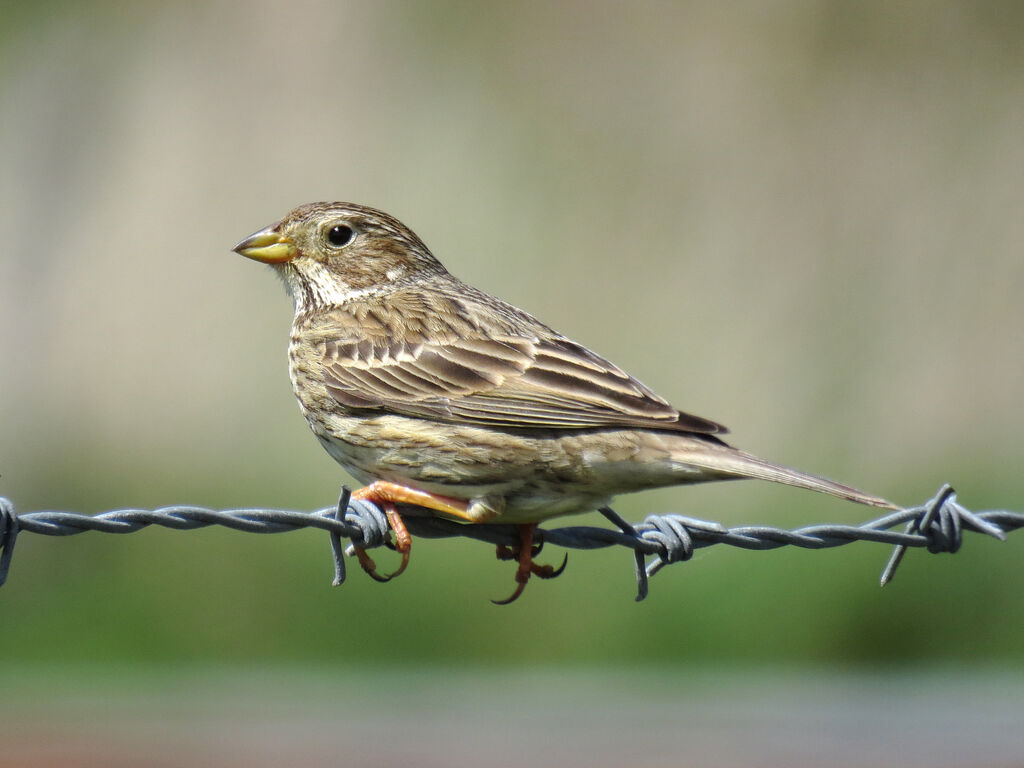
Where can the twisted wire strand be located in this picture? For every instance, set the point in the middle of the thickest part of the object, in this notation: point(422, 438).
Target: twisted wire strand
point(657, 541)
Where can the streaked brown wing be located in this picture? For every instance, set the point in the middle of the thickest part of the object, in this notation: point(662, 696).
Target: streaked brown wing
point(515, 383)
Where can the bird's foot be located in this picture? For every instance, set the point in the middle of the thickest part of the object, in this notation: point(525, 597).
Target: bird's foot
point(525, 553)
point(402, 545)
point(387, 495)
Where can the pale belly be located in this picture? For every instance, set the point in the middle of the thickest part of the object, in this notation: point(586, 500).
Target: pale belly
point(518, 478)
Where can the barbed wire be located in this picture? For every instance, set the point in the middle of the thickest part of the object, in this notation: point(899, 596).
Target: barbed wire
point(657, 541)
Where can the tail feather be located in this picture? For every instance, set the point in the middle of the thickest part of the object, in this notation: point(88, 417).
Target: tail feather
point(734, 463)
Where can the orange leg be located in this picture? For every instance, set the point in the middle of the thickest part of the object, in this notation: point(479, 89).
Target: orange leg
point(387, 495)
point(527, 551)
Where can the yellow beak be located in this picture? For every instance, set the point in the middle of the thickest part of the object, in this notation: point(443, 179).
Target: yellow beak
point(268, 246)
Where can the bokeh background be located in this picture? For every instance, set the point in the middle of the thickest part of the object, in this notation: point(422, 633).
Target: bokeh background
point(802, 219)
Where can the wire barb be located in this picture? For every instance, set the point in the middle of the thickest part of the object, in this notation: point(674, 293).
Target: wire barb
point(658, 541)
point(337, 548)
point(8, 535)
point(942, 520)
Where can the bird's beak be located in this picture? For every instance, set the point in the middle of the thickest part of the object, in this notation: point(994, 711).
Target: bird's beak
point(268, 245)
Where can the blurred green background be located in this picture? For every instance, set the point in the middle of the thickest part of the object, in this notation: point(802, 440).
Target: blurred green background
point(801, 219)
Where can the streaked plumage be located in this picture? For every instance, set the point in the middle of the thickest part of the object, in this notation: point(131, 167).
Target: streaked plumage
point(407, 375)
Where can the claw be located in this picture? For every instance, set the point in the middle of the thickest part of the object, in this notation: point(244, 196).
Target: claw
point(547, 571)
point(369, 566)
point(511, 598)
point(525, 553)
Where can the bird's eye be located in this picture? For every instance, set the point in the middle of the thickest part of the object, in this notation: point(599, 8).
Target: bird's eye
point(340, 235)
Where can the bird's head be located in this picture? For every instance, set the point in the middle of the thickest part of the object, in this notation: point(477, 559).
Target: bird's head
point(332, 253)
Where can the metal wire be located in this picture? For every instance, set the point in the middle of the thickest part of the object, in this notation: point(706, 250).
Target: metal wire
point(659, 540)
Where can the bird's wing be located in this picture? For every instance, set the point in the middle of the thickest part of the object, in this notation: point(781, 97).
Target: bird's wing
point(512, 382)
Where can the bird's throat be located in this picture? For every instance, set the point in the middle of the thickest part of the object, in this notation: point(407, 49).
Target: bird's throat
point(314, 287)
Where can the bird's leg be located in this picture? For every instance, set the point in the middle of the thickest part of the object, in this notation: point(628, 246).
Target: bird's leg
point(387, 495)
point(525, 554)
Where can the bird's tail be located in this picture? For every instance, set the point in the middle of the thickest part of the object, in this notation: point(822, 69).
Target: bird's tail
point(733, 463)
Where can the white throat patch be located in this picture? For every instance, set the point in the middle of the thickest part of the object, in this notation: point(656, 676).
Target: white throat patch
point(323, 289)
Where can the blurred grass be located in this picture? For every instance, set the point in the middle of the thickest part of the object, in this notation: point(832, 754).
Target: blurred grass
point(799, 219)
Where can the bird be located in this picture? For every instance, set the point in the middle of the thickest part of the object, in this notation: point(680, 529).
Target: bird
point(436, 394)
